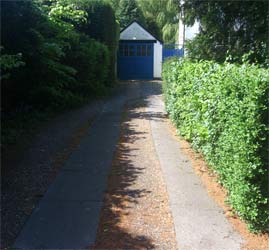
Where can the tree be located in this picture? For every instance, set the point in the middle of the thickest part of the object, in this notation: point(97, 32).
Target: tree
point(162, 17)
point(35, 40)
point(128, 11)
point(53, 58)
point(234, 27)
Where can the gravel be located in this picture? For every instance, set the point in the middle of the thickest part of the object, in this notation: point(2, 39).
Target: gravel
point(30, 170)
point(136, 212)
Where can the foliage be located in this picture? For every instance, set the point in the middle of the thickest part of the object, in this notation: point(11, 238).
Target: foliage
point(223, 110)
point(127, 11)
point(158, 16)
point(9, 62)
point(102, 26)
point(236, 27)
point(63, 11)
point(162, 18)
point(92, 75)
point(62, 53)
point(58, 57)
point(41, 55)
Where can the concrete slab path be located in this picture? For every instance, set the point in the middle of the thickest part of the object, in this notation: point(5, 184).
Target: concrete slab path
point(199, 223)
point(67, 217)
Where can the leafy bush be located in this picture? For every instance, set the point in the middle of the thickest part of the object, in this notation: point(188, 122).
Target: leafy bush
point(91, 59)
point(9, 62)
point(101, 25)
point(62, 63)
point(62, 53)
point(223, 110)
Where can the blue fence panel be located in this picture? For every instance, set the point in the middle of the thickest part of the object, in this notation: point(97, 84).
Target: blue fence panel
point(169, 52)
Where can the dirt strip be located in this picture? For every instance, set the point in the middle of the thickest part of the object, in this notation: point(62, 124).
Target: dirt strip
point(136, 213)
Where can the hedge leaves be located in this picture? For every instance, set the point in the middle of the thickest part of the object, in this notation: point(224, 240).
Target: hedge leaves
point(223, 110)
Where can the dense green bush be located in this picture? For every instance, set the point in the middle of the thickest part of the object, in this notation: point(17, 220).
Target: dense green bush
point(101, 25)
point(56, 54)
point(223, 110)
point(8, 63)
point(56, 63)
point(91, 60)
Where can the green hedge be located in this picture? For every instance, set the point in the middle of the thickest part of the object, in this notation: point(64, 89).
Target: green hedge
point(61, 54)
point(223, 110)
point(102, 26)
point(60, 61)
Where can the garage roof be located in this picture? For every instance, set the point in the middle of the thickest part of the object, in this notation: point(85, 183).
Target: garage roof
point(135, 31)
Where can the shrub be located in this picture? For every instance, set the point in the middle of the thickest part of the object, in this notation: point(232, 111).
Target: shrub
point(223, 110)
point(57, 55)
point(62, 64)
point(36, 40)
point(91, 60)
point(102, 26)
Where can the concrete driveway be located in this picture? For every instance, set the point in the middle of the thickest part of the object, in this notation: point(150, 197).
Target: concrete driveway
point(67, 217)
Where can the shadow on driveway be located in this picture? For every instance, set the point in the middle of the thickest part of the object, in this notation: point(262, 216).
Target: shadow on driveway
point(121, 195)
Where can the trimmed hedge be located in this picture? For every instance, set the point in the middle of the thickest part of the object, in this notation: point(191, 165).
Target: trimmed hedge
point(223, 110)
point(102, 26)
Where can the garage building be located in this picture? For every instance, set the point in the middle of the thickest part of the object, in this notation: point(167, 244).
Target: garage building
point(140, 54)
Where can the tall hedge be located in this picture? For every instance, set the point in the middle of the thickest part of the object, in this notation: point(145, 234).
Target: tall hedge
point(223, 111)
point(67, 52)
point(102, 26)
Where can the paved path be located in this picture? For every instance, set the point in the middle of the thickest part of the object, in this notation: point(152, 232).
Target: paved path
point(199, 223)
point(68, 215)
point(28, 168)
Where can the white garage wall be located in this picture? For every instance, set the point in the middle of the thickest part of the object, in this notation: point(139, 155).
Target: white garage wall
point(157, 61)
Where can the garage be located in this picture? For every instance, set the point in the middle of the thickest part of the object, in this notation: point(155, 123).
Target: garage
point(139, 54)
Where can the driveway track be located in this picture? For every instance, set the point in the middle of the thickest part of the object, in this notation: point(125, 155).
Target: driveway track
point(67, 216)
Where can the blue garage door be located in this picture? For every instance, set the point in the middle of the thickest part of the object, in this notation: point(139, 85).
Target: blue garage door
point(135, 61)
